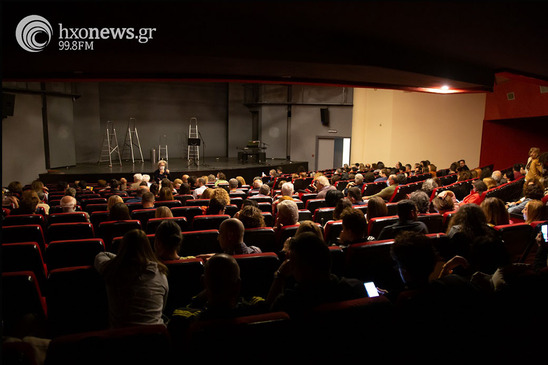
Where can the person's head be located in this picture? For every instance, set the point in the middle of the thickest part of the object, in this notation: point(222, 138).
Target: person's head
point(251, 217)
point(114, 184)
point(200, 181)
point(332, 197)
point(154, 188)
point(68, 204)
point(166, 193)
point(221, 281)
point(231, 234)
point(137, 177)
point(264, 189)
point(147, 200)
point(207, 193)
point(112, 200)
point(415, 258)
point(218, 201)
point(221, 176)
point(133, 258)
point(322, 182)
point(288, 212)
point(184, 189)
point(163, 212)
point(471, 220)
point(479, 186)
point(168, 239)
point(288, 189)
point(354, 194)
point(211, 178)
point(421, 200)
point(177, 183)
point(462, 163)
point(428, 186)
point(444, 202)
point(310, 258)
point(495, 211)
point(37, 185)
point(140, 191)
point(534, 152)
point(432, 168)
point(241, 181)
point(342, 204)
point(15, 187)
point(354, 225)
point(233, 184)
point(162, 165)
point(490, 182)
point(119, 212)
point(407, 210)
point(533, 211)
point(497, 176)
point(257, 183)
point(71, 192)
point(309, 226)
point(29, 201)
point(376, 207)
point(358, 179)
point(534, 191)
point(464, 175)
point(453, 167)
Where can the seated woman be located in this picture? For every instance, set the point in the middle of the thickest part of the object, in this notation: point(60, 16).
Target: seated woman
point(135, 280)
point(168, 240)
point(534, 211)
point(166, 193)
point(445, 202)
point(162, 172)
point(28, 203)
point(495, 211)
point(251, 217)
point(112, 200)
point(376, 207)
point(119, 212)
point(218, 201)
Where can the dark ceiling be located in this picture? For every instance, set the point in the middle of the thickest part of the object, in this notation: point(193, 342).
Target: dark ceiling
point(382, 44)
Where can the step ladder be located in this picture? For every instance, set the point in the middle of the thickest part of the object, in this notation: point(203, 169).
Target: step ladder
point(193, 152)
point(131, 142)
point(162, 147)
point(110, 145)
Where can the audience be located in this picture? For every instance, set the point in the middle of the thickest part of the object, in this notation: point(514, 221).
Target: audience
point(163, 212)
point(322, 185)
point(288, 214)
point(251, 217)
point(495, 211)
point(147, 200)
point(475, 197)
point(168, 240)
point(354, 227)
point(407, 221)
point(376, 207)
point(119, 212)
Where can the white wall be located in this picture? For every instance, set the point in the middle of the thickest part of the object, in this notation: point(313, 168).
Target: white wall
point(392, 126)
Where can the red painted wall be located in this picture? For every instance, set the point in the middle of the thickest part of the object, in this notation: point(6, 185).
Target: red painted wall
point(511, 127)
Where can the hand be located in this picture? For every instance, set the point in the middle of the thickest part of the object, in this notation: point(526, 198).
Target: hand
point(167, 171)
point(450, 265)
point(286, 269)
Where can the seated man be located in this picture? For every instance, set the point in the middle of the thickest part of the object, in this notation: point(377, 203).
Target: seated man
point(68, 204)
point(138, 195)
point(147, 200)
point(354, 194)
point(322, 186)
point(309, 267)
point(288, 213)
point(407, 221)
point(393, 182)
point(200, 187)
point(231, 238)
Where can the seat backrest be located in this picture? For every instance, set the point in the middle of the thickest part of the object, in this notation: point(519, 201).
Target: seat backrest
point(77, 300)
point(262, 237)
point(322, 215)
point(313, 204)
point(208, 221)
point(21, 296)
point(189, 212)
point(24, 219)
point(257, 271)
point(70, 217)
point(268, 219)
point(200, 242)
point(184, 280)
point(168, 203)
point(97, 217)
point(375, 225)
point(110, 229)
point(265, 206)
point(518, 239)
point(25, 256)
point(143, 215)
point(146, 344)
point(332, 230)
point(433, 221)
point(372, 261)
point(153, 224)
point(24, 233)
point(70, 231)
point(90, 208)
point(70, 253)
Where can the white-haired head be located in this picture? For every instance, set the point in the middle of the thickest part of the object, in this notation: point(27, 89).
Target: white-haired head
point(287, 189)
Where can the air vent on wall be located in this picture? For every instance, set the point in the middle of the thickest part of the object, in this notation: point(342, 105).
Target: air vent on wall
point(511, 96)
point(543, 89)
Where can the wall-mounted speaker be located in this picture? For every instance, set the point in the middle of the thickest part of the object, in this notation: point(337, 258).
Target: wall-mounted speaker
point(8, 104)
point(324, 115)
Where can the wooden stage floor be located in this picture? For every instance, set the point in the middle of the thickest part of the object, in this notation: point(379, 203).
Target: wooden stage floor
point(232, 167)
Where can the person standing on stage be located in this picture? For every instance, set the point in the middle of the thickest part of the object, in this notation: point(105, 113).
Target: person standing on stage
point(162, 172)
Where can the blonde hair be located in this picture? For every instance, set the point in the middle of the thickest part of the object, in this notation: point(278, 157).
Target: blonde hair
point(112, 200)
point(163, 212)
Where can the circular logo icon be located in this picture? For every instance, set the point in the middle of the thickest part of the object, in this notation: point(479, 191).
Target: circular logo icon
point(33, 33)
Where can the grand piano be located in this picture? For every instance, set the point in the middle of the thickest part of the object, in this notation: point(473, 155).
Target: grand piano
point(254, 151)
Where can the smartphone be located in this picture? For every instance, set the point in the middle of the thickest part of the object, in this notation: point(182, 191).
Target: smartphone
point(371, 289)
point(544, 230)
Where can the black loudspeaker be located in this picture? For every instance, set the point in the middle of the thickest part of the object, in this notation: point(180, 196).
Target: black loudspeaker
point(324, 116)
point(8, 104)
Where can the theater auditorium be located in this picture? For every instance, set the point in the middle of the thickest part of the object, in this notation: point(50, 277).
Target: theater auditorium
point(276, 182)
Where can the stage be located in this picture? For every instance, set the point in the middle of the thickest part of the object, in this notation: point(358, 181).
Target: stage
point(232, 167)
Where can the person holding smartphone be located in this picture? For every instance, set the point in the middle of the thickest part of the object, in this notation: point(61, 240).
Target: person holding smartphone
point(541, 257)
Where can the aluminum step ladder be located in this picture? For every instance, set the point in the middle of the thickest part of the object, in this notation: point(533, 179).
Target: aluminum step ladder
point(131, 141)
point(110, 145)
point(193, 152)
point(162, 148)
